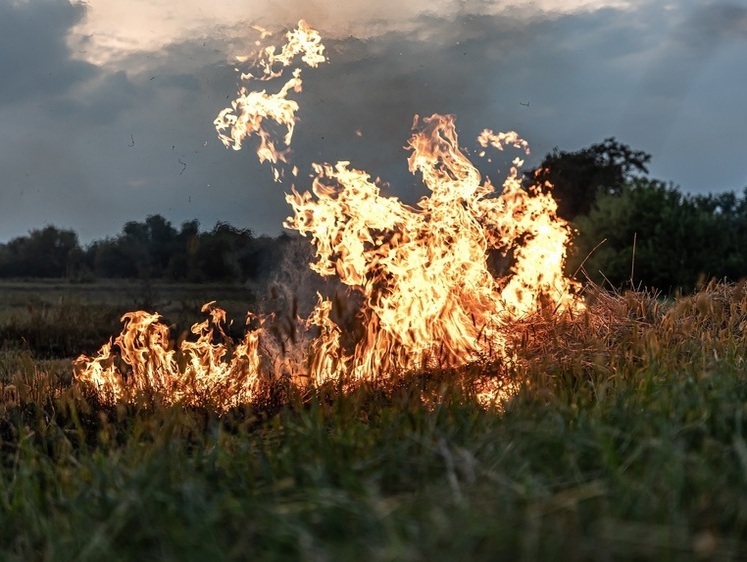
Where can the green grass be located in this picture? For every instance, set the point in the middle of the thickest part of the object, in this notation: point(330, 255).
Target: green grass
point(627, 441)
point(53, 319)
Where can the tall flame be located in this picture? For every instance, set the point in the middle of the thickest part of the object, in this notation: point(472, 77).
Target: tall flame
point(429, 297)
point(428, 292)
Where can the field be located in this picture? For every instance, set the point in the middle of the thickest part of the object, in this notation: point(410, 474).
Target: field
point(627, 440)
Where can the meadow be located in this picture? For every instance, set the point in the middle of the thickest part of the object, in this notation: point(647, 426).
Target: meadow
point(626, 440)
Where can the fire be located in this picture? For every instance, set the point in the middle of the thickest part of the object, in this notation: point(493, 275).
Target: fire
point(423, 274)
point(204, 371)
point(250, 110)
point(429, 295)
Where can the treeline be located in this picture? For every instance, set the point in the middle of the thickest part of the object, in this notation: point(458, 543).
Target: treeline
point(630, 229)
point(153, 249)
point(635, 230)
point(651, 234)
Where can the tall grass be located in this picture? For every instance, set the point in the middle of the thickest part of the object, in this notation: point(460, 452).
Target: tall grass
point(55, 320)
point(625, 441)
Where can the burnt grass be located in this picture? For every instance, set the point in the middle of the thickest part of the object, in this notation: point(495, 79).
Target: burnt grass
point(626, 440)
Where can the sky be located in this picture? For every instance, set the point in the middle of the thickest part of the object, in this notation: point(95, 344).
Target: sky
point(106, 107)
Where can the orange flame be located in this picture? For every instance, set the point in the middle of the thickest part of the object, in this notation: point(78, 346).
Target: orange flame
point(249, 110)
point(429, 296)
point(198, 372)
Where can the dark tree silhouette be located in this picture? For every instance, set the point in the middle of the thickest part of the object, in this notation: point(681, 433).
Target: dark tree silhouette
point(650, 232)
point(47, 252)
point(578, 177)
point(217, 255)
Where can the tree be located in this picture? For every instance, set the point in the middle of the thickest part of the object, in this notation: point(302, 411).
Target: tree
point(48, 252)
point(578, 177)
point(111, 261)
point(729, 212)
point(143, 249)
point(134, 246)
point(152, 249)
point(187, 240)
point(263, 256)
point(679, 240)
point(218, 254)
point(162, 244)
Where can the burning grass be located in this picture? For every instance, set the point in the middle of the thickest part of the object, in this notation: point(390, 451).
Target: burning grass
point(626, 438)
point(475, 416)
point(421, 274)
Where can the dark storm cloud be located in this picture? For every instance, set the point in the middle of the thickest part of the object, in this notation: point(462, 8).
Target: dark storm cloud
point(111, 144)
point(481, 69)
point(688, 93)
point(98, 101)
point(636, 75)
point(34, 58)
point(378, 86)
point(147, 144)
point(103, 145)
point(713, 23)
point(683, 50)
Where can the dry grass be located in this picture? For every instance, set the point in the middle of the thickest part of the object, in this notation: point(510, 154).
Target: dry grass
point(621, 335)
point(625, 441)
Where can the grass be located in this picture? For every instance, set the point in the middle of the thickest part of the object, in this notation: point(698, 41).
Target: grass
point(627, 441)
point(58, 319)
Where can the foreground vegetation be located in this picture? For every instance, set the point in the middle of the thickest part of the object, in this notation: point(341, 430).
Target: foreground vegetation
point(627, 440)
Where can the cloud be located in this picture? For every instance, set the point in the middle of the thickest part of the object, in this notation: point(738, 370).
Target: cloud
point(34, 58)
point(715, 22)
point(482, 69)
point(676, 77)
point(132, 135)
point(121, 28)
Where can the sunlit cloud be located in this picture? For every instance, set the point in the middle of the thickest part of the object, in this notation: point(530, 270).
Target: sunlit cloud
point(113, 31)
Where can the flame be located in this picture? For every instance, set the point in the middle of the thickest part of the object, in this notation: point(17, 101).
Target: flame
point(196, 373)
point(429, 296)
point(248, 112)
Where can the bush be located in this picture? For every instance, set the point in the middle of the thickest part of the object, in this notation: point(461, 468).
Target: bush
point(650, 233)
